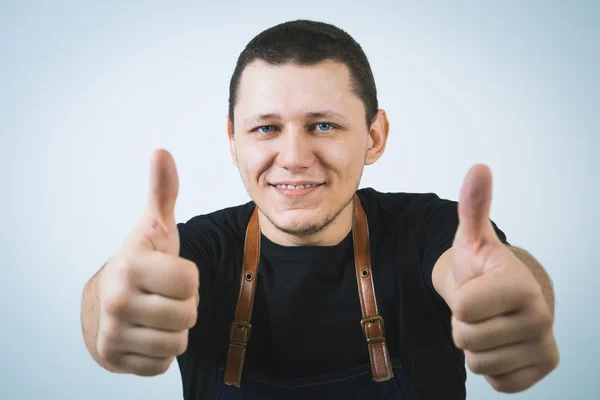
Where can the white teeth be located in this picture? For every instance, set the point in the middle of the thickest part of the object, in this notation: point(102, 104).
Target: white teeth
point(291, 187)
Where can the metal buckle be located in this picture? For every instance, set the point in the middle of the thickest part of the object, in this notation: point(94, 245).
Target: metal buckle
point(240, 325)
point(372, 320)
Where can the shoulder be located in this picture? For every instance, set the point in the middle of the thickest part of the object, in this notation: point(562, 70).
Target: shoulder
point(228, 222)
point(392, 206)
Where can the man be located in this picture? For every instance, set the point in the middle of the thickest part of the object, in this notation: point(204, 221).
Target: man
point(314, 288)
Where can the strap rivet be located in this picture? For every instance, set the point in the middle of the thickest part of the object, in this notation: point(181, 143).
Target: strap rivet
point(365, 273)
point(248, 276)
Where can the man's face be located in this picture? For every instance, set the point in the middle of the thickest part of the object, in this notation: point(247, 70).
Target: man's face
point(301, 142)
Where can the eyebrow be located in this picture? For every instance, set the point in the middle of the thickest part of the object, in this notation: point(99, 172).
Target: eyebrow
point(257, 118)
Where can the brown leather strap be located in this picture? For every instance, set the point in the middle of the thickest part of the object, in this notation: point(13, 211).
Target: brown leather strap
point(372, 323)
point(240, 327)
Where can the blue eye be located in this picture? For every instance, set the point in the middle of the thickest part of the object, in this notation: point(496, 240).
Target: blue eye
point(325, 126)
point(266, 129)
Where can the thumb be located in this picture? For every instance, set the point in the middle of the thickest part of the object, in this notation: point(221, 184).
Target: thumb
point(474, 225)
point(159, 217)
point(164, 185)
point(474, 207)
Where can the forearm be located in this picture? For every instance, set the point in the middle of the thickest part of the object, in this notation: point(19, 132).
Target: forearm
point(539, 274)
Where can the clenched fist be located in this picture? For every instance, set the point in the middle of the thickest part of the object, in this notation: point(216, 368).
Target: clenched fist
point(501, 318)
point(148, 295)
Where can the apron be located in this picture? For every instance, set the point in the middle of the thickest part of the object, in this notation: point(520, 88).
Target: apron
point(380, 378)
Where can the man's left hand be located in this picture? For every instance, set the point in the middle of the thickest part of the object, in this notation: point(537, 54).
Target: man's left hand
point(500, 317)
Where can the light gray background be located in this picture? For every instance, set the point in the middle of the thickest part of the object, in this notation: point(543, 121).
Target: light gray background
point(88, 90)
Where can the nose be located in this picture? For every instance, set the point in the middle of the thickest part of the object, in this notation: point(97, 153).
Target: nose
point(295, 149)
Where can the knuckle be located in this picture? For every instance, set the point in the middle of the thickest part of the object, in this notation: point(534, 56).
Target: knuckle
point(162, 346)
point(182, 343)
point(185, 321)
point(190, 318)
point(174, 345)
point(153, 368)
point(107, 350)
point(161, 366)
point(110, 333)
point(167, 363)
point(510, 384)
point(461, 340)
point(125, 269)
point(547, 320)
point(552, 354)
point(116, 302)
point(530, 293)
point(195, 274)
point(192, 278)
point(475, 364)
point(461, 307)
point(189, 288)
point(458, 334)
point(112, 357)
point(542, 321)
point(499, 384)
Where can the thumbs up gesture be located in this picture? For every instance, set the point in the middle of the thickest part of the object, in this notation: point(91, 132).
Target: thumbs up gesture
point(500, 316)
point(148, 295)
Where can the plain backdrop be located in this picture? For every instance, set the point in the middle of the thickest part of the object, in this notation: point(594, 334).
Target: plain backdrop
point(89, 89)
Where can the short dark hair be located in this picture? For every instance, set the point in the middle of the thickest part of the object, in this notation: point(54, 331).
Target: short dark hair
point(306, 42)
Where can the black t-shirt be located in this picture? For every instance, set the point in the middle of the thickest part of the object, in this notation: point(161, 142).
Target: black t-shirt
point(306, 315)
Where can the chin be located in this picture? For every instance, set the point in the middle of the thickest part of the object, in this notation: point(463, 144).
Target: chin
point(297, 224)
point(302, 230)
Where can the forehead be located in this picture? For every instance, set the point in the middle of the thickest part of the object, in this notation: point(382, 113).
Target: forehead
point(292, 89)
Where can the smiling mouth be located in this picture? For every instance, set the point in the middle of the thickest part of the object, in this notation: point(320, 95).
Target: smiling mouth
point(297, 187)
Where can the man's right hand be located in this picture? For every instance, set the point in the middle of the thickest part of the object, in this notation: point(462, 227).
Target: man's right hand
point(148, 295)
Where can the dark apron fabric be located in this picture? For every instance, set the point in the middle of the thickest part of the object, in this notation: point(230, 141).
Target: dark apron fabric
point(353, 383)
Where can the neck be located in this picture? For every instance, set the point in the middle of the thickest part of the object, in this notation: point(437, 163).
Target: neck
point(330, 235)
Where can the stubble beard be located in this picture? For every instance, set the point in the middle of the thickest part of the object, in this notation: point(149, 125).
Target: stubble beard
point(311, 230)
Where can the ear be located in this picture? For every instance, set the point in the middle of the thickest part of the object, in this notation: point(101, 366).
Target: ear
point(378, 135)
point(231, 142)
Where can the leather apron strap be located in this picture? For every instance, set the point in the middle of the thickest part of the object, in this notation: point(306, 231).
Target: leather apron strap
point(371, 324)
point(240, 327)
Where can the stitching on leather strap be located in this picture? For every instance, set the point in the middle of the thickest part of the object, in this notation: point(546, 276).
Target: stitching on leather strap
point(378, 352)
point(243, 311)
